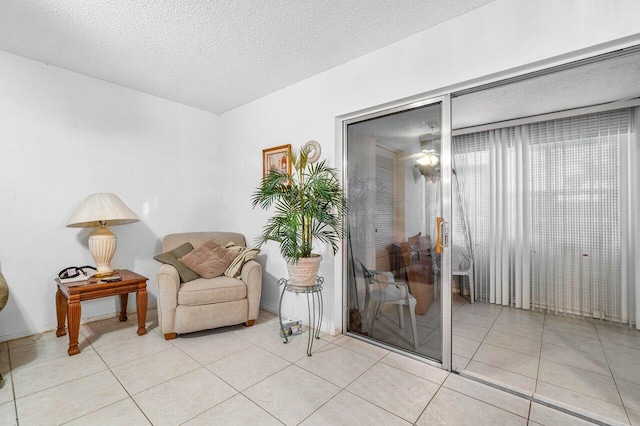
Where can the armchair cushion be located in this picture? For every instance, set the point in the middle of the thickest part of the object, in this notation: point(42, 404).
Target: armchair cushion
point(205, 291)
point(210, 260)
point(172, 258)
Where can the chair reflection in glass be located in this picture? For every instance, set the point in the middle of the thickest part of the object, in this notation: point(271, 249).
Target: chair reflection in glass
point(462, 266)
point(380, 292)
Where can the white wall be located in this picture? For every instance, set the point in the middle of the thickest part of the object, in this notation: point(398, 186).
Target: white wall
point(65, 136)
point(497, 39)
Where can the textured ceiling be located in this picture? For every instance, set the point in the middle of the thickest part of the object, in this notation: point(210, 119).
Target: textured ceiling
point(609, 80)
point(211, 54)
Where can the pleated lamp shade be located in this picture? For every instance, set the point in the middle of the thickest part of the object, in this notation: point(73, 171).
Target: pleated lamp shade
point(102, 207)
point(102, 210)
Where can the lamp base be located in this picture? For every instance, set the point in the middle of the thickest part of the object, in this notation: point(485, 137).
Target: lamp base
point(103, 274)
point(102, 245)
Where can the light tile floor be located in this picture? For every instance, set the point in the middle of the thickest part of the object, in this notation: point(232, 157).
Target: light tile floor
point(589, 366)
point(239, 375)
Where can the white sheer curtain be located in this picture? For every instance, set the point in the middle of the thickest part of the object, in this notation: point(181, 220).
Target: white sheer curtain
point(630, 221)
point(553, 208)
point(509, 250)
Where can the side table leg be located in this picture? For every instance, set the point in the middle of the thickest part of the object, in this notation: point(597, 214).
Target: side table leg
point(286, 339)
point(315, 317)
point(61, 312)
point(73, 319)
point(141, 301)
point(311, 324)
point(124, 298)
point(320, 313)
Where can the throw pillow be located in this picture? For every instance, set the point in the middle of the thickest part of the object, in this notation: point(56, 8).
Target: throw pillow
point(172, 258)
point(244, 255)
point(210, 259)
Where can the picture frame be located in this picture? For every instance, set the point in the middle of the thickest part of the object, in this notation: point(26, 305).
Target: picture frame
point(276, 159)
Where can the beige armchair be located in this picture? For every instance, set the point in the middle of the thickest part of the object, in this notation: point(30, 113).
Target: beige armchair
point(202, 304)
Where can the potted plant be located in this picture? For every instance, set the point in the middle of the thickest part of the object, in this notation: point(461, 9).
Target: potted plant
point(309, 205)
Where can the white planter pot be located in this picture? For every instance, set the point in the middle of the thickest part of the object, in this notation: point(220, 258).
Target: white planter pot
point(305, 271)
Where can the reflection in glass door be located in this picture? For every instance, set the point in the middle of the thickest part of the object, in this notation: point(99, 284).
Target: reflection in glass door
point(397, 188)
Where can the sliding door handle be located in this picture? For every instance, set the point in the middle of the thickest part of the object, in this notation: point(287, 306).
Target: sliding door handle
point(444, 232)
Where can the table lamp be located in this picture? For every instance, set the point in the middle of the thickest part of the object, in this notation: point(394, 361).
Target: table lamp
point(100, 210)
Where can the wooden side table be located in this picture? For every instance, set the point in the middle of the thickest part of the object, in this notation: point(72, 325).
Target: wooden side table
point(69, 296)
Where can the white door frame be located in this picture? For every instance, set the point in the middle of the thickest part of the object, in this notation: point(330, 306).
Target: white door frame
point(446, 170)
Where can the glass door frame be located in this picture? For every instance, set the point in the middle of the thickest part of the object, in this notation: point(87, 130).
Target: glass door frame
point(446, 176)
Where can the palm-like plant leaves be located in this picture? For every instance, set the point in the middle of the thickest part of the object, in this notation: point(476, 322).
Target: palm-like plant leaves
point(309, 204)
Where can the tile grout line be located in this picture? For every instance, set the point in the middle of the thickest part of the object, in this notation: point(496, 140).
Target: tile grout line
point(326, 380)
point(344, 388)
point(544, 321)
point(129, 395)
point(538, 380)
point(98, 409)
point(615, 381)
point(13, 386)
point(61, 383)
point(539, 362)
point(378, 361)
point(441, 385)
point(199, 364)
point(489, 385)
point(310, 372)
point(120, 383)
point(79, 378)
point(533, 400)
point(302, 368)
point(257, 405)
point(359, 397)
point(483, 339)
point(428, 403)
point(238, 392)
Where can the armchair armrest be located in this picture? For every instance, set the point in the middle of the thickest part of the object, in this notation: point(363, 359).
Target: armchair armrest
point(168, 272)
point(402, 286)
point(387, 274)
point(251, 275)
point(168, 286)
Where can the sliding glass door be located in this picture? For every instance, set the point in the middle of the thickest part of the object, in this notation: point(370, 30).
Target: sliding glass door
point(398, 268)
point(506, 249)
point(545, 211)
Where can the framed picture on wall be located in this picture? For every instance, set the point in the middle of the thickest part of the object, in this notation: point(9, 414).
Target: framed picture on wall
point(276, 159)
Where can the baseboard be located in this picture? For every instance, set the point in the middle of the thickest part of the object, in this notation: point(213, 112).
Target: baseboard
point(52, 327)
